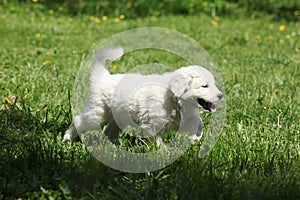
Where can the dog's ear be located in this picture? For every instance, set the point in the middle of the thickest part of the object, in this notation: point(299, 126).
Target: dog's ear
point(178, 84)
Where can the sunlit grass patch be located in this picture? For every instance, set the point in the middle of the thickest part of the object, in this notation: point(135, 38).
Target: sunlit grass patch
point(257, 155)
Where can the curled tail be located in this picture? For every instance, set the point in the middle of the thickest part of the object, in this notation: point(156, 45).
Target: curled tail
point(99, 62)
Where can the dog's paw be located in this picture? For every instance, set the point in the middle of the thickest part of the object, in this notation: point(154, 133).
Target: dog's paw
point(160, 143)
point(195, 138)
point(66, 137)
point(70, 134)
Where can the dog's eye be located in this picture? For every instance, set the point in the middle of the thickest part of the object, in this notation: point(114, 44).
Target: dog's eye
point(205, 86)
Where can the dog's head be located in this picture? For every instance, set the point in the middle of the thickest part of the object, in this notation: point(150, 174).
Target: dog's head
point(195, 85)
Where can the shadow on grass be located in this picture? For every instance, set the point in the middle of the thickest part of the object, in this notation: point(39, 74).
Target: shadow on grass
point(34, 163)
point(27, 156)
point(32, 155)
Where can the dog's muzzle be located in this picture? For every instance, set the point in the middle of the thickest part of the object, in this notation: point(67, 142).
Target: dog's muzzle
point(207, 106)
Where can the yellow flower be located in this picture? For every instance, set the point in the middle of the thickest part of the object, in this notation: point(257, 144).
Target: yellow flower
point(185, 35)
point(270, 37)
point(7, 100)
point(38, 35)
point(34, 1)
point(46, 62)
point(276, 90)
point(214, 23)
point(154, 18)
point(12, 100)
point(296, 12)
point(51, 12)
point(116, 20)
point(288, 37)
point(97, 20)
point(104, 18)
point(122, 17)
point(258, 37)
point(217, 18)
point(129, 4)
point(92, 18)
point(114, 67)
point(281, 41)
point(282, 27)
point(60, 8)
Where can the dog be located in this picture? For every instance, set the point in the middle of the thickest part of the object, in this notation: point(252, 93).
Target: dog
point(156, 104)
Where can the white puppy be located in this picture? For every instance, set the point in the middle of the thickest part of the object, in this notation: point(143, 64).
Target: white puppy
point(156, 104)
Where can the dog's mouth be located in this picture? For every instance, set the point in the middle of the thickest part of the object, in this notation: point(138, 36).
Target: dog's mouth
point(207, 106)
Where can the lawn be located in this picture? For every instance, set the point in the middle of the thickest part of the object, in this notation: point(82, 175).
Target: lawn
point(256, 157)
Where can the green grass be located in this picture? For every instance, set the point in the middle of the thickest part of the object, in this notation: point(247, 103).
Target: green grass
point(256, 157)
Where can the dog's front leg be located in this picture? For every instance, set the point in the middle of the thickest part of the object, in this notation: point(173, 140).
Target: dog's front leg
point(71, 133)
point(193, 125)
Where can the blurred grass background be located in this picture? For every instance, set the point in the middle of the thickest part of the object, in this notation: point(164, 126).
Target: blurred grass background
point(283, 9)
point(256, 46)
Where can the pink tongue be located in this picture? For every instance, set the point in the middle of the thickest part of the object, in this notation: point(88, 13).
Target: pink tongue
point(213, 109)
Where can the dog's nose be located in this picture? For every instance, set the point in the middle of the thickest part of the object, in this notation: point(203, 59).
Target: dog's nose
point(220, 95)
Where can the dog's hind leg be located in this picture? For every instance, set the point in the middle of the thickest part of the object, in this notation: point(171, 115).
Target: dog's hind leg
point(113, 131)
point(86, 121)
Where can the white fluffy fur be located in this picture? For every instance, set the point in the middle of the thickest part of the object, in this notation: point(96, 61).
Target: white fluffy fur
point(157, 103)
